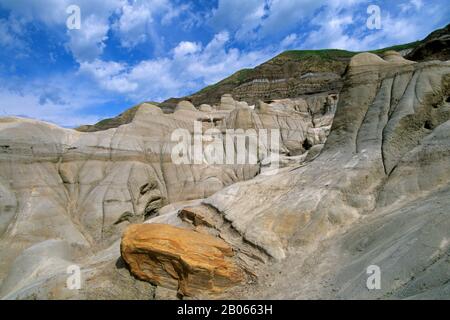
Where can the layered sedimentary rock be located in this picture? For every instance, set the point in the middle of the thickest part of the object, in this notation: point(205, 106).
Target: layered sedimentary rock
point(288, 75)
point(190, 262)
point(303, 83)
point(375, 191)
point(376, 195)
point(85, 188)
point(385, 111)
point(299, 72)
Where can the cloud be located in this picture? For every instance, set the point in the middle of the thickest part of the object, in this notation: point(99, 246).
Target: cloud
point(342, 25)
point(289, 40)
point(331, 32)
point(174, 12)
point(86, 43)
point(324, 24)
point(32, 10)
point(185, 48)
point(262, 19)
point(285, 15)
point(12, 35)
point(55, 102)
point(7, 37)
point(132, 25)
point(136, 24)
point(190, 67)
point(411, 5)
point(238, 16)
point(128, 51)
point(53, 12)
point(110, 76)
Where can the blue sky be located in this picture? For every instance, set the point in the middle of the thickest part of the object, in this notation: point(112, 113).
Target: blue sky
point(129, 51)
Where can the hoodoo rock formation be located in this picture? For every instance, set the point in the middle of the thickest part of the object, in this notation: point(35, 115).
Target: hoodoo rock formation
point(358, 201)
point(363, 180)
point(85, 188)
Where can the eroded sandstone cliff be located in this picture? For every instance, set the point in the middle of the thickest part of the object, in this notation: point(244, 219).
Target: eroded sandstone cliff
point(83, 189)
point(376, 195)
point(364, 180)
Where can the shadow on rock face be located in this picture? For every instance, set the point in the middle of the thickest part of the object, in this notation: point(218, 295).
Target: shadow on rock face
point(120, 264)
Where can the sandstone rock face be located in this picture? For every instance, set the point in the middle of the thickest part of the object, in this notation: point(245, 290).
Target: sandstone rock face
point(86, 188)
point(190, 262)
point(383, 103)
point(367, 187)
point(43, 270)
point(227, 102)
point(185, 105)
point(269, 89)
point(205, 108)
point(382, 177)
point(394, 56)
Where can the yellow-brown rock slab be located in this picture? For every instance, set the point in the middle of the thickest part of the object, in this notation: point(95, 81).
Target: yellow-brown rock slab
point(188, 261)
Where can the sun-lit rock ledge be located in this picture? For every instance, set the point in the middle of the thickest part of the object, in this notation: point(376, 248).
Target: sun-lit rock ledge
point(184, 260)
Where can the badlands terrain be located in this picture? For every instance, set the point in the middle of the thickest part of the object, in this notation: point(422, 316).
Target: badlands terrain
point(363, 180)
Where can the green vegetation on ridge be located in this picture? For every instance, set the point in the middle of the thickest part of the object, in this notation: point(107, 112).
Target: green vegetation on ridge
point(245, 75)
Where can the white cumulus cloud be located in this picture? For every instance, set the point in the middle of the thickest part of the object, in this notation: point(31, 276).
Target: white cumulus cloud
point(190, 67)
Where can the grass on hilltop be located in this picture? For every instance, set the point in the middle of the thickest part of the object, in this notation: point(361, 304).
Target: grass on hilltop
point(243, 75)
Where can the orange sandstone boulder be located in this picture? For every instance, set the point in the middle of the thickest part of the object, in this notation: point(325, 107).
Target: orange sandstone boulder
point(188, 261)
